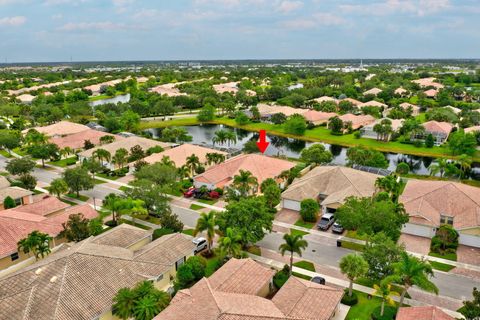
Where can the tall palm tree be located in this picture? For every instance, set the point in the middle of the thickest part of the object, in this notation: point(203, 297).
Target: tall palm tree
point(58, 187)
point(384, 290)
point(390, 184)
point(206, 222)
point(245, 182)
point(146, 308)
point(192, 163)
point(102, 155)
point(231, 243)
point(120, 157)
point(220, 137)
point(353, 266)
point(465, 163)
point(294, 243)
point(411, 271)
point(183, 172)
point(230, 137)
point(65, 152)
point(167, 161)
point(438, 167)
point(36, 242)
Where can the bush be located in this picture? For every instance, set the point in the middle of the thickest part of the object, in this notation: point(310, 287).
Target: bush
point(349, 300)
point(403, 168)
point(281, 277)
point(309, 210)
point(388, 313)
point(157, 233)
point(200, 169)
point(429, 141)
point(111, 223)
point(219, 190)
point(418, 143)
point(9, 203)
point(185, 184)
point(445, 240)
point(357, 134)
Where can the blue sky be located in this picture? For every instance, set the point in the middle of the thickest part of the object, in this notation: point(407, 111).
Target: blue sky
point(54, 30)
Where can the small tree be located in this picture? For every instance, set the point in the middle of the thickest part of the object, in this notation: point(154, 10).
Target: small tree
point(309, 209)
point(44, 152)
point(429, 141)
point(384, 290)
point(9, 203)
point(294, 243)
point(354, 267)
point(20, 166)
point(445, 240)
point(87, 144)
point(316, 154)
point(36, 242)
point(76, 228)
point(402, 168)
point(206, 223)
point(471, 309)
point(58, 187)
point(231, 243)
point(296, 125)
point(78, 179)
point(28, 181)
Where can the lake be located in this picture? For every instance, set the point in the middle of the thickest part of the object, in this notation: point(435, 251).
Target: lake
point(117, 99)
point(280, 146)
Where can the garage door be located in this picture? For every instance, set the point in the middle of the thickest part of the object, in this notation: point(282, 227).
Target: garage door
point(291, 204)
point(417, 230)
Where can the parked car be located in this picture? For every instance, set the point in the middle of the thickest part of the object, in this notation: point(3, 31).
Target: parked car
point(326, 221)
point(189, 193)
point(337, 228)
point(318, 279)
point(200, 244)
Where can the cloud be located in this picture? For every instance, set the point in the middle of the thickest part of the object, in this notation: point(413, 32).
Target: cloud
point(390, 7)
point(60, 2)
point(121, 6)
point(86, 26)
point(314, 21)
point(12, 21)
point(289, 6)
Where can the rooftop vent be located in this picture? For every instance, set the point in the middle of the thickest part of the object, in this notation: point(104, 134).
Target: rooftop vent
point(38, 271)
point(53, 279)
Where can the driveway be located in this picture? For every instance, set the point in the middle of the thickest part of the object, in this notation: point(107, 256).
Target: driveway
point(287, 216)
point(416, 244)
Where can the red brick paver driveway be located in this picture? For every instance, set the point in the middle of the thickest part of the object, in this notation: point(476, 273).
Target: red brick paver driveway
point(287, 216)
point(468, 255)
point(416, 244)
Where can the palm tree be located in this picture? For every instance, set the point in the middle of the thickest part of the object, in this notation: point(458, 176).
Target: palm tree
point(391, 184)
point(119, 206)
point(33, 137)
point(120, 157)
point(438, 167)
point(167, 161)
point(36, 242)
point(465, 163)
point(146, 308)
point(183, 172)
point(206, 222)
point(353, 266)
point(230, 137)
point(102, 155)
point(107, 139)
point(384, 290)
point(245, 182)
point(411, 271)
point(230, 244)
point(58, 187)
point(192, 163)
point(294, 243)
point(65, 152)
point(221, 136)
point(123, 303)
point(214, 158)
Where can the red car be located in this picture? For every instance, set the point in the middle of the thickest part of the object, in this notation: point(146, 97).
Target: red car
point(214, 195)
point(189, 193)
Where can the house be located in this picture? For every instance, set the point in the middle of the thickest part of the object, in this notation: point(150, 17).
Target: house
point(330, 185)
point(400, 91)
point(295, 86)
point(261, 167)
point(97, 88)
point(168, 89)
point(373, 91)
point(231, 87)
point(428, 82)
point(46, 215)
point(76, 141)
point(368, 132)
point(80, 280)
point(453, 109)
point(406, 106)
point(125, 143)
point(325, 99)
point(19, 195)
point(422, 313)
point(431, 93)
point(59, 129)
point(439, 130)
point(237, 291)
point(180, 154)
point(267, 110)
point(357, 121)
point(354, 102)
point(472, 129)
point(373, 103)
point(318, 117)
point(433, 203)
point(25, 98)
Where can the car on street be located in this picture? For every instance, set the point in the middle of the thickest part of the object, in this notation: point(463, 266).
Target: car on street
point(337, 228)
point(200, 244)
point(189, 193)
point(326, 221)
point(318, 279)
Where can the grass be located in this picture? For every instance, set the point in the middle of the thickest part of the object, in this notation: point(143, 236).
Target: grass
point(298, 232)
point(104, 96)
point(307, 265)
point(301, 276)
point(5, 153)
point(304, 224)
point(68, 202)
point(148, 218)
point(352, 246)
point(105, 176)
point(441, 266)
point(80, 197)
point(211, 266)
point(447, 256)
point(4, 173)
point(20, 152)
point(364, 308)
point(124, 188)
point(188, 232)
point(174, 122)
point(354, 235)
point(99, 181)
point(196, 207)
point(141, 226)
point(207, 201)
point(254, 250)
point(369, 283)
point(64, 162)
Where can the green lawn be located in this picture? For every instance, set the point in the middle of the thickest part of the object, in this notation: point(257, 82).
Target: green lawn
point(303, 224)
point(212, 264)
point(68, 202)
point(175, 122)
point(64, 162)
point(20, 152)
point(188, 231)
point(4, 173)
point(364, 308)
point(448, 256)
point(105, 176)
point(141, 226)
point(99, 181)
point(441, 266)
point(369, 283)
point(352, 246)
point(301, 276)
point(74, 196)
point(5, 153)
point(354, 235)
point(307, 265)
point(124, 188)
point(148, 218)
point(299, 232)
point(254, 250)
point(196, 207)
point(208, 201)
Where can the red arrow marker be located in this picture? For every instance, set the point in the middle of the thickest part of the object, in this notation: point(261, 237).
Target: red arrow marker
point(263, 144)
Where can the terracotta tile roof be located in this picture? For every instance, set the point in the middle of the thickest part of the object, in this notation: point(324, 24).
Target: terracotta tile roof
point(166, 249)
point(44, 207)
point(435, 126)
point(357, 121)
point(373, 103)
point(4, 183)
point(352, 101)
point(14, 193)
point(428, 200)
point(180, 154)
point(400, 90)
point(406, 105)
point(270, 109)
point(422, 313)
point(169, 89)
point(335, 183)
point(428, 82)
point(472, 129)
point(318, 116)
point(61, 128)
point(373, 91)
point(122, 236)
point(431, 93)
point(243, 276)
point(77, 140)
point(261, 167)
point(226, 87)
point(126, 143)
point(325, 98)
point(301, 299)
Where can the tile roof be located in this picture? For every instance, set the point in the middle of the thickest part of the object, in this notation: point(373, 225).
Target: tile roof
point(4, 183)
point(14, 193)
point(166, 249)
point(318, 116)
point(46, 206)
point(226, 87)
point(76, 282)
point(406, 105)
point(357, 121)
point(352, 101)
point(422, 313)
point(428, 200)
point(373, 103)
point(60, 128)
point(400, 90)
point(180, 154)
point(435, 126)
point(270, 109)
point(334, 182)
point(325, 98)
point(472, 129)
point(373, 91)
point(261, 167)
point(126, 143)
point(77, 140)
point(122, 236)
point(431, 93)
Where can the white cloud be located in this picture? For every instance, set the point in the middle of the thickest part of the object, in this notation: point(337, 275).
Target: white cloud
point(86, 26)
point(299, 24)
point(121, 6)
point(316, 20)
point(57, 16)
point(289, 6)
point(12, 21)
point(329, 19)
point(388, 7)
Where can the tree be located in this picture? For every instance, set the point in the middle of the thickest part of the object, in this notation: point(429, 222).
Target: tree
point(296, 125)
point(221, 136)
point(9, 139)
point(20, 166)
point(278, 118)
point(192, 162)
point(36, 242)
point(272, 195)
point(106, 139)
point(129, 120)
point(9, 203)
point(294, 243)
point(471, 309)
point(244, 183)
point(164, 108)
point(78, 179)
point(58, 187)
point(102, 155)
point(336, 125)
point(206, 223)
point(241, 118)
point(429, 141)
point(159, 173)
point(33, 137)
point(381, 252)
point(402, 168)
point(465, 163)
point(76, 228)
point(411, 271)
point(214, 157)
point(44, 151)
point(249, 217)
point(384, 290)
point(207, 113)
point(438, 166)
point(154, 196)
point(230, 243)
point(460, 142)
point(316, 154)
point(309, 209)
point(366, 157)
point(191, 271)
point(353, 266)
point(28, 181)
point(119, 206)
point(231, 137)
point(87, 144)
point(120, 157)
point(92, 165)
point(392, 184)
point(445, 240)
point(136, 153)
point(383, 129)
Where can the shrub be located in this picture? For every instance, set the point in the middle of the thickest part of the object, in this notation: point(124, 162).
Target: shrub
point(418, 143)
point(198, 264)
point(111, 223)
point(309, 210)
point(388, 313)
point(281, 277)
point(157, 233)
point(403, 168)
point(349, 300)
point(357, 134)
point(219, 190)
point(445, 240)
point(9, 203)
point(185, 184)
point(429, 141)
point(200, 169)
point(241, 118)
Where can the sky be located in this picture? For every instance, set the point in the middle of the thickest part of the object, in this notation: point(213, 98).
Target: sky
point(110, 30)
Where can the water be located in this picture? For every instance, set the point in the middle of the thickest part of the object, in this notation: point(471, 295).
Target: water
point(280, 146)
point(117, 99)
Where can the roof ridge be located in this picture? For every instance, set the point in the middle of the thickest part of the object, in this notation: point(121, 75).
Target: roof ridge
point(456, 187)
point(61, 288)
point(212, 292)
point(28, 307)
point(298, 300)
point(435, 189)
point(354, 186)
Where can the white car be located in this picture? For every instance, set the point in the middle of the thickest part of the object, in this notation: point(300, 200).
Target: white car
point(200, 244)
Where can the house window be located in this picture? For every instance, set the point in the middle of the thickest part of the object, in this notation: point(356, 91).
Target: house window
point(18, 201)
point(14, 256)
point(446, 220)
point(179, 263)
point(159, 278)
